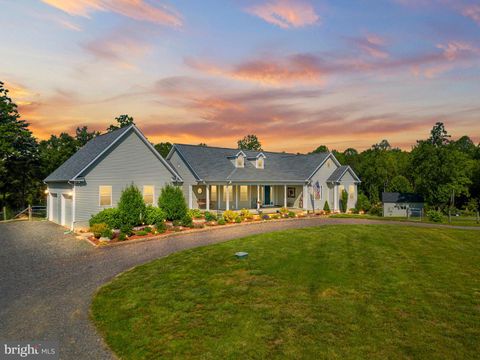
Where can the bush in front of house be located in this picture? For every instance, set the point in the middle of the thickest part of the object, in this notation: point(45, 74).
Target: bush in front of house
point(195, 213)
point(161, 227)
point(265, 217)
point(154, 215)
point(291, 214)
point(126, 229)
point(141, 233)
point(122, 237)
point(238, 219)
point(221, 221)
point(111, 217)
point(107, 233)
point(376, 210)
point(131, 206)
point(434, 215)
point(98, 229)
point(363, 203)
point(229, 216)
point(344, 200)
point(187, 221)
point(326, 207)
point(172, 202)
point(283, 211)
point(246, 214)
point(210, 216)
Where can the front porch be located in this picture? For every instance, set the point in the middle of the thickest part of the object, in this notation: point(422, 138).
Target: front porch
point(245, 196)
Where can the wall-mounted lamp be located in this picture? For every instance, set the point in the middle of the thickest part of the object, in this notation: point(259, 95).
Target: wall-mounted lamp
point(46, 192)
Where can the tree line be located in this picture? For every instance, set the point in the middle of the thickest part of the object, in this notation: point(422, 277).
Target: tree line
point(445, 171)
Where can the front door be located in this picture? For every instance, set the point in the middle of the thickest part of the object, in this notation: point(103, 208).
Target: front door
point(267, 195)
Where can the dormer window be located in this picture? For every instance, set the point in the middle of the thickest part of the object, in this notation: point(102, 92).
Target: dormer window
point(260, 161)
point(239, 159)
point(240, 162)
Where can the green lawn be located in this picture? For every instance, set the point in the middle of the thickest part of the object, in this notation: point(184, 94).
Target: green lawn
point(456, 220)
point(347, 291)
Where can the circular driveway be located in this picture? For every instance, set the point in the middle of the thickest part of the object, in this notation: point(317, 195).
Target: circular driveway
point(47, 278)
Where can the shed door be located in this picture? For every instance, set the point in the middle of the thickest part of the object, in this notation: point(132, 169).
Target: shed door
point(54, 207)
point(66, 211)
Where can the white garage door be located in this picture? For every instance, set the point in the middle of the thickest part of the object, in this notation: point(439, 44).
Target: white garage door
point(66, 210)
point(54, 208)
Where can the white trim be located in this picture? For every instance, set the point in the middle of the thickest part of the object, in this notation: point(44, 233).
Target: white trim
point(144, 139)
point(227, 206)
point(100, 197)
point(330, 155)
point(62, 209)
point(190, 196)
point(74, 207)
point(285, 195)
point(207, 206)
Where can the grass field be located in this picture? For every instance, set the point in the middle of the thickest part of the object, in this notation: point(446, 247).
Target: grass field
point(347, 291)
point(455, 220)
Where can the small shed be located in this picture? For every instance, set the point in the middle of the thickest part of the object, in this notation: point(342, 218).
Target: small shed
point(402, 204)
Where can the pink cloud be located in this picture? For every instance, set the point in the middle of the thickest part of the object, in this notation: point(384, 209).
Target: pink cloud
point(372, 45)
point(286, 13)
point(134, 9)
point(473, 12)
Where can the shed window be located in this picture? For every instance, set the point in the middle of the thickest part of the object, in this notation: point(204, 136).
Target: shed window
point(105, 195)
point(243, 193)
point(148, 194)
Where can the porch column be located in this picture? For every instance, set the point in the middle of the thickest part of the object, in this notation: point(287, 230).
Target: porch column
point(258, 196)
point(190, 197)
point(219, 196)
point(335, 197)
point(236, 196)
point(285, 195)
point(208, 198)
point(228, 197)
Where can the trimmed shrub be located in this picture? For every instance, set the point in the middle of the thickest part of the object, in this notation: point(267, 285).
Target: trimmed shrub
point(210, 216)
point(434, 215)
point(283, 210)
point(131, 206)
point(122, 237)
point(172, 202)
point(195, 213)
point(148, 229)
point(110, 216)
point(108, 233)
point(326, 207)
point(344, 200)
point(176, 222)
point(376, 210)
point(291, 214)
point(98, 229)
point(154, 215)
point(161, 227)
point(238, 219)
point(221, 221)
point(275, 216)
point(141, 233)
point(229, 215)
point(363, 204)
point(187, 221)
point(126, 229)
point(246, 214)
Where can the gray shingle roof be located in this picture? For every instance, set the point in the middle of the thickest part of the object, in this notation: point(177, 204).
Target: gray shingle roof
point(337, 174)
point(396, 197)
point(215, 164)
point(85, 155)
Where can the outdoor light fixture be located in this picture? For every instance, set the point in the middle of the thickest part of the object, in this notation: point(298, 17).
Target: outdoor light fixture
point(46, 192)
point(70, 193)
point(199, 190)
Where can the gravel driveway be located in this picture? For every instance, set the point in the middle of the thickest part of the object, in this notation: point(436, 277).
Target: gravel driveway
point(47, 278)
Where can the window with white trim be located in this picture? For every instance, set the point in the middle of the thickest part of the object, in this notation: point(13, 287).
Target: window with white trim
point(351, 191)
point(148, 194)
point(240, 161)
point(105, 195)
point(243, 193)
point(260, 163)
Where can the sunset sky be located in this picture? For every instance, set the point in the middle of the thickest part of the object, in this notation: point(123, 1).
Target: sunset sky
point(296, 73)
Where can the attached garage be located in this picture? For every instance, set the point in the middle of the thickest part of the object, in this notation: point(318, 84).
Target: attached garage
point(60, 204)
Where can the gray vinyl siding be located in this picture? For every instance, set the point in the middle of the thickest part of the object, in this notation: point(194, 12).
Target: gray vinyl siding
point(321, 175)
point(54, 210)
point(130, 161)
point(188, 178)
